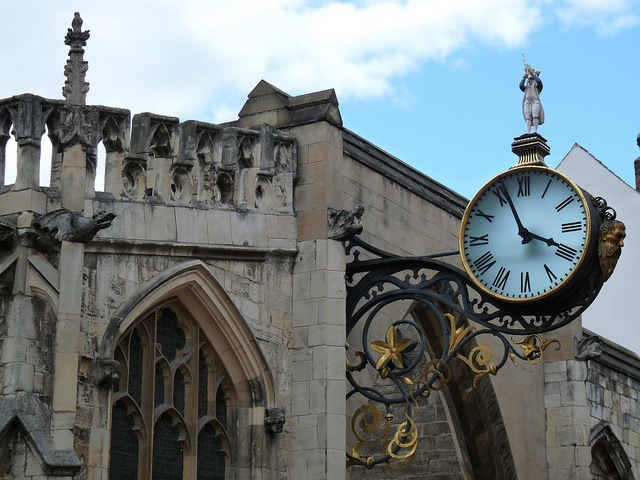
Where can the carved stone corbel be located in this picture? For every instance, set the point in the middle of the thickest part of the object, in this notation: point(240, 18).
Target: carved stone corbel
point(344, 224)
point(274, 420)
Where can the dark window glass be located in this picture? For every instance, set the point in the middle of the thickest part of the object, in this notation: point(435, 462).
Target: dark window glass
point(169, 335)
point(124, 445)
point(178, 392)
point(210, 457)
point(221, 407)
point(203, 385)
point(167, 452)
point(159, 393)
point(135, 367)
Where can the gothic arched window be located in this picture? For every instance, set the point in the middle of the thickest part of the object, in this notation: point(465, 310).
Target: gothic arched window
point(170, 407)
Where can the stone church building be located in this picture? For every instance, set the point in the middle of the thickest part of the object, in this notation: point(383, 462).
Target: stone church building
point(190, 321)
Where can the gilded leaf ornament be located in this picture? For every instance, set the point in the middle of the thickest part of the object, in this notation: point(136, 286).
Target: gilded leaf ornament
point(392, 349)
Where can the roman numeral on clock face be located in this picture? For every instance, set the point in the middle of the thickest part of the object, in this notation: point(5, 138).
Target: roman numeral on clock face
point(571, 227)
point(525, 283)
point(484, 215)
point(564, 203)
point(501, 278)
point(484, 263)
point(482, 240)
point(524, 186)
point(550, 274)
point(566, 252)
point(498, 193)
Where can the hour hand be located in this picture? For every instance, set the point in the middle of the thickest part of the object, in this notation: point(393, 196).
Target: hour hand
point(522, 231)
point(549, 241)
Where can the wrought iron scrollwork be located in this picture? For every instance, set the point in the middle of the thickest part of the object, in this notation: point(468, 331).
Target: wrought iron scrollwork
point(396, 352)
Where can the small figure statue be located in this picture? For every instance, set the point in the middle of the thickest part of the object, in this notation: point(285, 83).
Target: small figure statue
point(532, 109)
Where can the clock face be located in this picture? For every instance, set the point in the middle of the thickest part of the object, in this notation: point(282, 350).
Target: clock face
point(525, 234)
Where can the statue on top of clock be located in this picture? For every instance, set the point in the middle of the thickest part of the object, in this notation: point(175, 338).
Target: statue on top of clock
point(532, 109)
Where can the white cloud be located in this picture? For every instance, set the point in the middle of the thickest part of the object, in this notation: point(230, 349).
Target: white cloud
point(608, 16)
point(183, 58)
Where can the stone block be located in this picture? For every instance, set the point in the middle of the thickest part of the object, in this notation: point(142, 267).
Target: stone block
point(336, 335)
point(560, 456)
point(299, 464)
point(288, 226)
point(316, 464)
point(317, 335)
point(318, 394)
point(577, 370)
point(302, 286)
point(305, 312)
point(559, 416)
point(336, 401)
point(301, 371)
point(300, 398)
point(18, 377)
point(336, 284)
point(318, 286)
point(552, 400)
point(555, 367)
point(192, 225)
point(336, 257)
point(555, 377)
point(306, 421)
point(335, 312)
point(65, 386)
point(23, 201)
point(310, 197)
point(249, 230)
point(310, 173)
point(573, 393)
point(160, 223)
point(335, 464)
point(312, 224)
point(335, 363)
point(14, 350)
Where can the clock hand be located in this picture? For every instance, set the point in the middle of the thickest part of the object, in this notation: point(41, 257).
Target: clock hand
point(549, 241)
point(522, 231)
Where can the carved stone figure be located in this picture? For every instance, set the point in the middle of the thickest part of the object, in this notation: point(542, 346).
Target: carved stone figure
point(65, 224)
point(274, 420)
point(344, 224)
point(589, 348)
point(109, 373)
point(532, 109)
point(610, 243)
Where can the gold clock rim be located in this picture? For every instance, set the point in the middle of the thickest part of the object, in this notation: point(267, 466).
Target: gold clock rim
point(473, 201)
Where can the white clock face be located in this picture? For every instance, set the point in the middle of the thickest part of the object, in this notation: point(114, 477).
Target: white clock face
point(524, 234)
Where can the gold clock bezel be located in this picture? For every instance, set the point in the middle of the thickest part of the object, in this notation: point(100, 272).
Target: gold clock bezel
point(572, 275)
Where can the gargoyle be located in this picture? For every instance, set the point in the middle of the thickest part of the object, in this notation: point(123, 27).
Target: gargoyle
point(274, 420)
point(109, 373)
point(64, 224)
point(344, 224)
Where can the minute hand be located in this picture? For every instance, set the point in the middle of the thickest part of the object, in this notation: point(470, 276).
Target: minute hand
point(522, 231)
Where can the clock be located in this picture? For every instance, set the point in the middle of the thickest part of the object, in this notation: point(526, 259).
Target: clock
point(526, 234)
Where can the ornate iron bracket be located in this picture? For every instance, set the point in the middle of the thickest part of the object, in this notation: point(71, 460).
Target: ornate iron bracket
point(376, 280)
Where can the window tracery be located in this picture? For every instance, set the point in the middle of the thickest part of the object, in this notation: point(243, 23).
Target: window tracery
point(169, 411)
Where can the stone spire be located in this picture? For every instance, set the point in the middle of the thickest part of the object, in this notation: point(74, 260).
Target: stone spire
point(75, 87)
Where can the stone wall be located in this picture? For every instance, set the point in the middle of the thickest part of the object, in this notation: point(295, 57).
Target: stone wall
point(593, 420)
